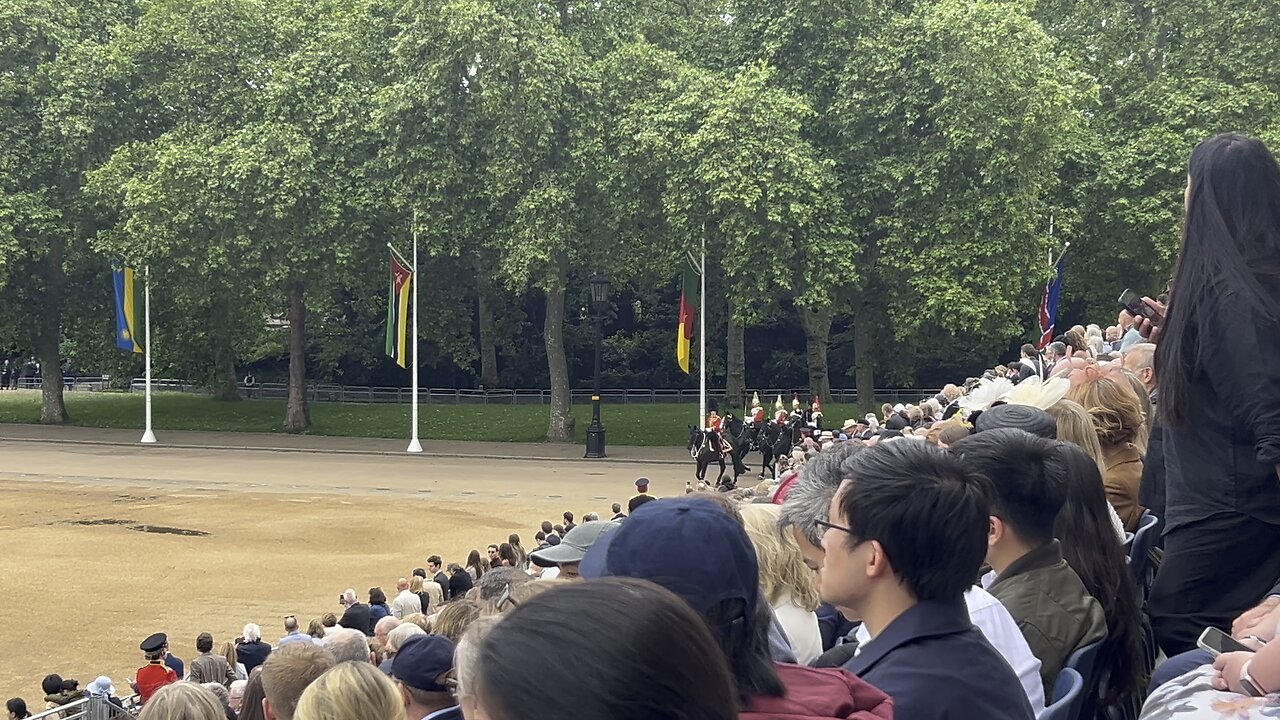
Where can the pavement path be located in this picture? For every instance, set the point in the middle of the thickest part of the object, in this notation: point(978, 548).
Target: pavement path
point(271, 442)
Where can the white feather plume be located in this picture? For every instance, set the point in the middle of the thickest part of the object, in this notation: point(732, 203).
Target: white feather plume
point(987, 393)
point(1039, 394)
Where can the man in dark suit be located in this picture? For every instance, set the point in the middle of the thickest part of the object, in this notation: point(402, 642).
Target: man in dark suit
point(459, 581)
point(436, 571)
point(907, 535)
point(356, 616)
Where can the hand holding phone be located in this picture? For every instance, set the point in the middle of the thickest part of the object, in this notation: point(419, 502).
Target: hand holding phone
point(1132, 302)
point(1217, 643)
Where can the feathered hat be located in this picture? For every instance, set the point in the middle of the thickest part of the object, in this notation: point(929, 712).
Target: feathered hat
point(986, 394)
point(1039, 393)
point(778, 405)
point(755, 400)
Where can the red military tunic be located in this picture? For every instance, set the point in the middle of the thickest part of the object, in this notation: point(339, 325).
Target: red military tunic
point(152, 677)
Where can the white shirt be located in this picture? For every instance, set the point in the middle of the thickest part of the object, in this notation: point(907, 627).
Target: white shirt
point(801, 627)
point(406, 603)
point(550, 573)
point(995, 622)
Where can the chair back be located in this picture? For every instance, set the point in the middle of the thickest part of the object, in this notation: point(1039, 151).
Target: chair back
point(1139, 549)
point(1085, 661)
point(1067, 696)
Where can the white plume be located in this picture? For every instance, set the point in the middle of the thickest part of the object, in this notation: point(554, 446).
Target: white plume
point(1039, 394)
point(987, 393)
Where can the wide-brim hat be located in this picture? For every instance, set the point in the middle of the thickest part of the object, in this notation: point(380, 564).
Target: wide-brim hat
point(574, 545)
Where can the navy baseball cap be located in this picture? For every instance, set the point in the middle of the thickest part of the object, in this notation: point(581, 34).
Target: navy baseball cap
point(423, 661)
point(687, 545)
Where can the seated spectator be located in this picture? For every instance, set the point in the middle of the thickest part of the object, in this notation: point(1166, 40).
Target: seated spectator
point(287, 673)
point(357, 615)
point(466, 660)
point(224, 699)
point(1239, 686)
point(565, 557)
point(155, 674)
point(1085, 532)
point(347, 645)
point(405, 602)
point(395, 641)
point(17, 708)
point(378, 608)
point(519, 675)
point(1117, 418)
point(1256, 625)
point(459, 581)
point(291, 633)
point(1045, 596)
point(315, 629)
point(250, 650)
point(907, 535)
point(235, 695)
point(252, 702)
point(351, 691)
point(423, 673)
point(103, 688)
point(382, 629)
point(790, 588)
point(208, 667)
point(457, 616)
point(804, 512)
point(691, 547)
point(420, 620)
point(183, 701)
point(59, 692)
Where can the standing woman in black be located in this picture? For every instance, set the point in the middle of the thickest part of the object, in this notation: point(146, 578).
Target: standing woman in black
point(1218, 364)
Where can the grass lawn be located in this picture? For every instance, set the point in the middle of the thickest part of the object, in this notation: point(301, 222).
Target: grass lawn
point(652, 425)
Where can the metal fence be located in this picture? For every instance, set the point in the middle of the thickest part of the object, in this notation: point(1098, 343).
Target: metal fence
point(89, 708)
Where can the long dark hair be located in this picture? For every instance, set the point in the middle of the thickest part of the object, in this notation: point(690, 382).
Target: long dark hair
point(657, 660)
point(18, 707)
point(474, 562)
point(509, 554)
point(1230, 245)
point(745, 643)
point(1092, 548)
point(251, 702)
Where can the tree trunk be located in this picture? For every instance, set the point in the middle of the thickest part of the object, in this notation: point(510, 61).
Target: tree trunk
point(736, 373)
point(297, 412)
point(863, 365)
point(817, 335)
point(561, 425)
point(225, 385)
point(488, 348)
point(53, 409)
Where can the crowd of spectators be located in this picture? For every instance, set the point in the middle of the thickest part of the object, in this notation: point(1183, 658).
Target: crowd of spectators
point(1073, 522)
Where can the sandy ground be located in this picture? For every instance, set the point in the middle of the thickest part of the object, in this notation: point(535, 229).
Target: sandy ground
point(281, 533)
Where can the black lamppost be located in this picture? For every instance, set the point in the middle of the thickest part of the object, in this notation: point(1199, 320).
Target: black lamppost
point(595, 432)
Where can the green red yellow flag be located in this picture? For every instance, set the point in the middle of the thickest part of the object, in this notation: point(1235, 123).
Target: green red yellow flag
point(688, 310)
point(398, 312)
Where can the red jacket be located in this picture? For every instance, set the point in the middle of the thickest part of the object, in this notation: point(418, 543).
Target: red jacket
point(820, 694)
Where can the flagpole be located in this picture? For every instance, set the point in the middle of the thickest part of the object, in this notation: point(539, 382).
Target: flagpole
point(702, 336)
point(415, 445)
point(148, 436)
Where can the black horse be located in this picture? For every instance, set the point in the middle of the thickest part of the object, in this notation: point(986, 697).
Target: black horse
point(776, 441)
point(704, 450)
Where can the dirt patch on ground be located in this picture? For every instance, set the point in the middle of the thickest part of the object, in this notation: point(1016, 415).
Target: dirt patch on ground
point(103, 546)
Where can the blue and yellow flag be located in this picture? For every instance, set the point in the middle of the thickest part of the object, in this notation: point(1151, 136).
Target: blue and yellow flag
point(128, 310)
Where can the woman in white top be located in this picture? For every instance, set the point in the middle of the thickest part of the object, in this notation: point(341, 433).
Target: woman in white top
point(785, 580)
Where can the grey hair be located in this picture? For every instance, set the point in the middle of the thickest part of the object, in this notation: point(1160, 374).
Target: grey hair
point(403, 632)
point(466, 657)
point(237, 685)
point(252, 633)
point(1144, 354)
point(386, 624)
point(349, 595)
point(809, 497)
point(217, 689)
point(345, 644)
point(492, 583)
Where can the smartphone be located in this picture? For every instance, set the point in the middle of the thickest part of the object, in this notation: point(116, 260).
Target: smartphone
point(1132, 301)
point(1217, 642)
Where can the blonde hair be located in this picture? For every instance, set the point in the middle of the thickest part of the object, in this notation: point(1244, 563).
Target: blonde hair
point(782, 568)
point(228, 651)
point(183, 701)
point(1076, 427)
point(397, 637)
point(467, 655)
point(315, 628)
point(415, 584)
point(454, 619)
point(351, 691)
point(1144, 404)
point(1111, 405)
point(418, 619)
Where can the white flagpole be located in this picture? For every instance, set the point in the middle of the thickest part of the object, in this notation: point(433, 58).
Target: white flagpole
point(415, 445)
point(702, 336)
point(147, 435)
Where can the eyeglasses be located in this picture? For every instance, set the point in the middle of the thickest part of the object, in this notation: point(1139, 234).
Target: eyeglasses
point(833, 526)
